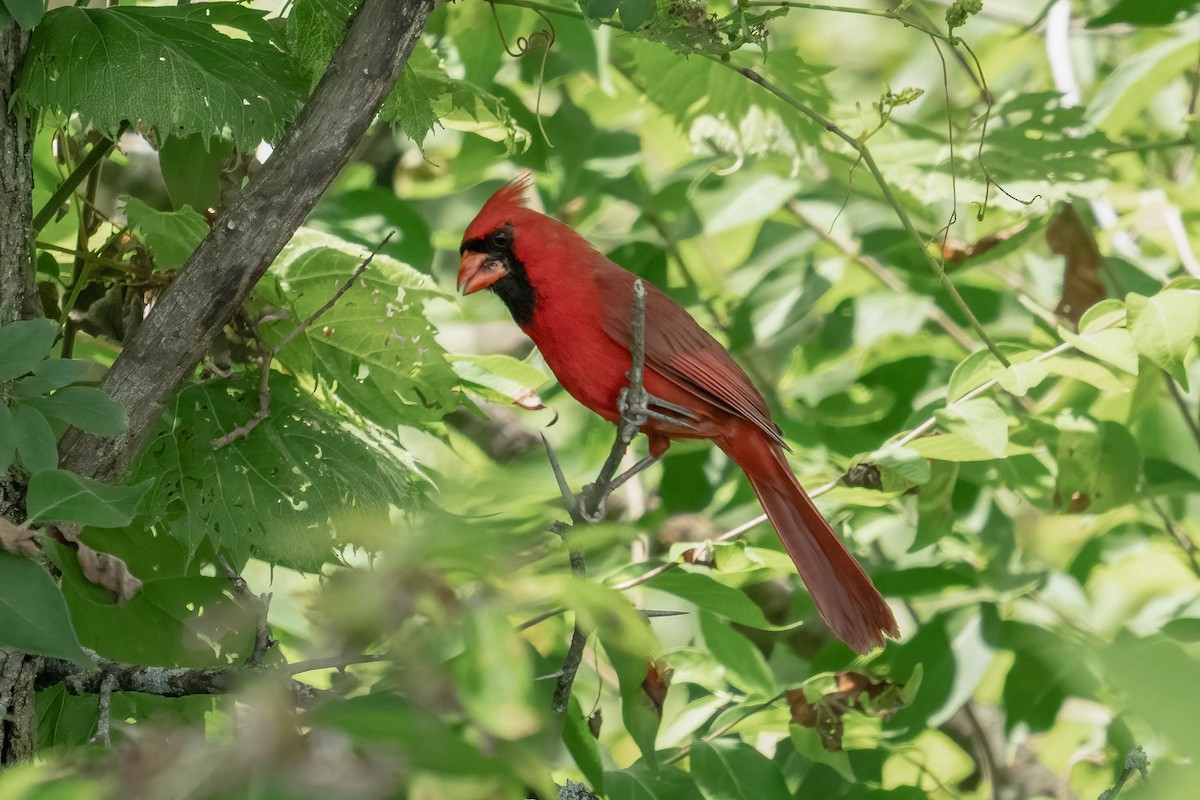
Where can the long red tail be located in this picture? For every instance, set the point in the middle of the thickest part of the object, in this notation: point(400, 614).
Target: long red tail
point(848, 601)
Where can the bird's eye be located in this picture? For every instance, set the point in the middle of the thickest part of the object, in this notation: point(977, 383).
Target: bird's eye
point(502, 238)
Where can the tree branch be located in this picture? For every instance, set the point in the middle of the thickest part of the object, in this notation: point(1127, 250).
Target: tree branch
point(157, 681)
point(589, 506)
point(244, 241)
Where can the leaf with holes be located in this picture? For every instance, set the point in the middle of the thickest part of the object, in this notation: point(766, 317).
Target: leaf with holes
point(375, 349)
point(207, 68)
point(274, 492)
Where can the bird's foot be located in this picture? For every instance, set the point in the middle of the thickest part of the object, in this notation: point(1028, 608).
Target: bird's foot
point(640, 407)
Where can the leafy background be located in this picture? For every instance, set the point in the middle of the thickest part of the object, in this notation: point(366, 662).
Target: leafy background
point(1033, 525)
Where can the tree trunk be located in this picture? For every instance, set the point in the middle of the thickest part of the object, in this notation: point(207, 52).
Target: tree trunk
point(18, 300)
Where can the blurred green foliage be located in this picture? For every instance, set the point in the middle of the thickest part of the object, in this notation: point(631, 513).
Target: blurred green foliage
point(1034, 523)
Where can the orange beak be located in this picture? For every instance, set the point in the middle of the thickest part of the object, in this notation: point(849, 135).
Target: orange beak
point(478, 271)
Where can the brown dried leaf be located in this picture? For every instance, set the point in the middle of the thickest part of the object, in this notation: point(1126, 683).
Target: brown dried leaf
point(108, 571)
point(1082, 288)
point(803, 711)
point(18, 540)
point(658, 680)
point(955, 252)
point(528, 399)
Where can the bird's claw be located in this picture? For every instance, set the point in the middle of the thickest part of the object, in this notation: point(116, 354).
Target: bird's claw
point(642, 407)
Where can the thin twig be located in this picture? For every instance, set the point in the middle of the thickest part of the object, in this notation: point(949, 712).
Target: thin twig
point(1181, 404)
point(1182, 539)
point(103, 735)
point(264, 389)
point(590, 505)
point(259, 604)
point(1136, 760)
point(868, 159)
point(332, 662)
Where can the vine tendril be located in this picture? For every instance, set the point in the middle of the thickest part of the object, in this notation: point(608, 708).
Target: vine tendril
point(521, 48)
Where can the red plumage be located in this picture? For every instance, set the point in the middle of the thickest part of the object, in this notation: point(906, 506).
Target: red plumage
point(576, 305)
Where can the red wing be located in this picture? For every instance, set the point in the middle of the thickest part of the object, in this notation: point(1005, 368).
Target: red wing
point(680, 350)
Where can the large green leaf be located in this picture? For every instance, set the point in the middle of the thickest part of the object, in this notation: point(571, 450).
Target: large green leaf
point(27, 13)
point(1041, 139)
point(643, 781)
point(744, 664)
point(33, 615)
point(275, 491)
point(170, 235)
point(1163, 327)
point(1122, 96)
point(707, 593)
point(37, 446)
point(23, 345)
point(374, 350)
point(56, 495)
point(1144, 12)
point(730, 770)
point(207, 68)
point(85, 407)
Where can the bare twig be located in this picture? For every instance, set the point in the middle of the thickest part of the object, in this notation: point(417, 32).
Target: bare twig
point(1136, 760)
point(264, 388)
point(103, 736)
point(99, 151)
point(260, 604)
point(333, 662)
point(589, 507)
point(1182, 539)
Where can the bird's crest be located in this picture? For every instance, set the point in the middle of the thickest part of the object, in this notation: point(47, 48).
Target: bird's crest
point(500, 206)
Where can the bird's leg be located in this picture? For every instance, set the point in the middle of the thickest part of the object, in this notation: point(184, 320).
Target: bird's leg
point(641, 407)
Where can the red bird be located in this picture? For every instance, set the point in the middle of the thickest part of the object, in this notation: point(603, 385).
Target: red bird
point(577, 307)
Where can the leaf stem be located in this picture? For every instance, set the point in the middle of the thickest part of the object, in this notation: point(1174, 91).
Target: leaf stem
point(99, 151)
point(885, 189)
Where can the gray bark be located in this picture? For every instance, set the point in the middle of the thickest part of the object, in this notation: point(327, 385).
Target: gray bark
point(18, 300)
point(237, 251)
point(18, 293)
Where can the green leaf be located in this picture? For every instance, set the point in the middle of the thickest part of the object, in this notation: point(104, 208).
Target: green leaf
point(51, 374)
point(744, 664)
point(1163, 327)
point(733, 770)
point(207, 68)
point(315, 28)
point(23, 345)
point(935, 511)
point(56, 495)
point(27, 13)
point(426, 96)
point(499, 377)
point(1125, 93)
point(643, 781)
point(86, 407)
point(37, 446)
point(366, 216)
point(582, 745)
point(428, 742)
point(191, 169)
point(375, 348)
point(1110, 345)
point(724, 601)
point(170, 235)
point(495, 676)
point(980, 421)
point(8, 439)
point(33, 614)
point(1040, 140)
point(1099, 464)
point(635, 13)
point(1144, 13)
point(275, 491)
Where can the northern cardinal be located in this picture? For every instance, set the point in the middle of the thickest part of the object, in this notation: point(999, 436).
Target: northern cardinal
point(577, 306)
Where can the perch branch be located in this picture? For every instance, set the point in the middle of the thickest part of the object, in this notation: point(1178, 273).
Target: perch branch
point(589, 507)
point(264, 387)
point(259, 604)
point(1137, 761)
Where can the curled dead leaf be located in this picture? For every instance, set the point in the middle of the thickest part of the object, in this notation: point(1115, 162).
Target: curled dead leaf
point(528, 399)
point(852, 690)
point(658, 680)
point(16, 539)
point(108, 571)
